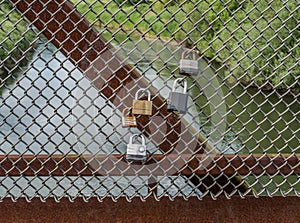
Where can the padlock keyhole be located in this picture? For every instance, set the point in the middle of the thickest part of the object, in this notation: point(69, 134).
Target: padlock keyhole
point(142, 149)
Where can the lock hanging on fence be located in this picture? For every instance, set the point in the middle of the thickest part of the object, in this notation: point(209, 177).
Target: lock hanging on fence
point(178, 101)
point(135, 151)
point(128, 120)
point(188, 66)
point(142, 107)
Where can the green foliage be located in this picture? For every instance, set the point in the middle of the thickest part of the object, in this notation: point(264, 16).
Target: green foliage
point(14, 36)
point(130, 2)
point(258, 42)
point(256, 39)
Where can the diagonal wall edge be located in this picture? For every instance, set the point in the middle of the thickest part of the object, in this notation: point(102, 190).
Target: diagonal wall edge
point(78, 41)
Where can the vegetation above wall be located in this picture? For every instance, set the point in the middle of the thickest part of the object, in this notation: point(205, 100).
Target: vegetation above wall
point(15, 39)
point(258, 42)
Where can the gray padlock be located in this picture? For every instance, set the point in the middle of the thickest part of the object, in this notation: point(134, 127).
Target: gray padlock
point(188, 66)
point(178, 101)
point(136, 152)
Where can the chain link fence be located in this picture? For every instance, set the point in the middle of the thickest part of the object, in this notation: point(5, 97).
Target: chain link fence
point(149, 98)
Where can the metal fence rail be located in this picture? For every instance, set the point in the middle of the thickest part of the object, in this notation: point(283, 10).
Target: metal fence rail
point(69, 69)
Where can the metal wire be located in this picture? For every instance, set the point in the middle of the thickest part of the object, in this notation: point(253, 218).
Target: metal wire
point(69, 68)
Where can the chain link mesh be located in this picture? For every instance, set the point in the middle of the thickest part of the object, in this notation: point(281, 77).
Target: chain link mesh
point(69, 68)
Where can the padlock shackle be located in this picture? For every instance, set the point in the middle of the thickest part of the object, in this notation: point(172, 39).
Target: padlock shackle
point(137, 135)
point(187, 51)
point(127, 109)
point(176, 84)
point(142, 90)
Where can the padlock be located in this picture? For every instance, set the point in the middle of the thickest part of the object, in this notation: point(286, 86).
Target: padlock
point(128, 120)
point(142, 107)
point(135, 151)
point(188, 66)
point(178, 101)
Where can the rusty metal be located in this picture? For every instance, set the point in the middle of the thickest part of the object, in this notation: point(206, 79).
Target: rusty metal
point(277, 209)
point(91, 165)
point(198, 169)
point(78, 41)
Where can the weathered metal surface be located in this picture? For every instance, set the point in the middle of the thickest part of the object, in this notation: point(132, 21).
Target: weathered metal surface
point(277, 209)
point(98, 60)
point(77, 40)
point(58, 165)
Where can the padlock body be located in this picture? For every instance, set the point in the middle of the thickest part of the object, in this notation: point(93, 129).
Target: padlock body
point(129, 121)
point(136, 152)
point(142, 107)
point(187, 66)
point(177, 102)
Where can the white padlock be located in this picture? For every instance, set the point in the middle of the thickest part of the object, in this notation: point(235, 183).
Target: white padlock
point(188, 66)
point(135, 151)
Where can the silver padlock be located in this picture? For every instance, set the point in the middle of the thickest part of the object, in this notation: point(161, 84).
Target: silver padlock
point(136, 152)
point(188, 66)
point(178, 101)
point(142, 107)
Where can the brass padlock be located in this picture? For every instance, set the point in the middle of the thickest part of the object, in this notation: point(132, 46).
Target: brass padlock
point(142, 107)
point(128, 120)
point(188, 66)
